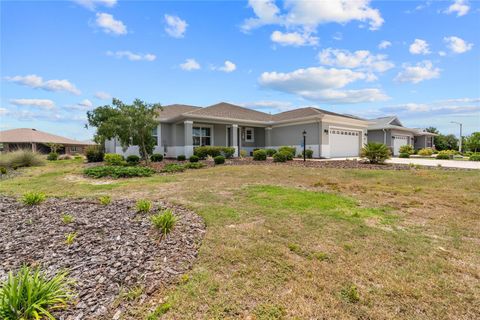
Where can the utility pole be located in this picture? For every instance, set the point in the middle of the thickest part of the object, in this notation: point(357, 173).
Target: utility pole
point(461, 138)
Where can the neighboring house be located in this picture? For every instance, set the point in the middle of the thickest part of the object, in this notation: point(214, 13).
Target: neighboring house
point(182, 128)
point(391, 132)
point(35, 140)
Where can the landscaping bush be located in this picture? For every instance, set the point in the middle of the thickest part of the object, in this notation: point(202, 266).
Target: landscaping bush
point(194, 158)
point(3, 170)
point(66, 157)
point(219, 160)
point(442, 156)
point(33, 198)
point(193, 165)
point(204, 152)
point(474, 157)
point(21, 158)
point(291, 150)
point(260, 155)
point(113, 159)
point(181, 157)
point(408, 149)
point(243, 153)
point(156, 157)
point(164, 221)
point(118, 172)
point(143, 205)
point(52, 156)
point(425, 152)
point(32, 294)
point(105, 200)
point(281, 156)
point(173, 167)
point(270, 152)
point(375, 152)
point(133, 160)
point(228, 152)
point(94, 154)
point(308, 153)
point(404, 155)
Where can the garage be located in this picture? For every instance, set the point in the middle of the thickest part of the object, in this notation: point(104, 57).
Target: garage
point(344, 143)
point(399, 141)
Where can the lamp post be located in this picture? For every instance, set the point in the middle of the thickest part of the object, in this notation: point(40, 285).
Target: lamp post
point(460, 143)
point(304, 145)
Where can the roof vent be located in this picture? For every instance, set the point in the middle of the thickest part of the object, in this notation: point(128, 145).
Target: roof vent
point(34, 129)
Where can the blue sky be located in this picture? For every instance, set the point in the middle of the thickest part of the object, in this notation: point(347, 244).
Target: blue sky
point(419, 60)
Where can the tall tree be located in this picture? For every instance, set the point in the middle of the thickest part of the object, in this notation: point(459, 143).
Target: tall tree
point(473, 142)
point(132, 124)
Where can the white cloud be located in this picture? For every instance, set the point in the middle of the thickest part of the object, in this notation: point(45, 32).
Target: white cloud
point(85, 103)
point(109, 25)
point(190, 64)
point(228, 66)
point(442, 53)
point(92, 4)
point(419, 46)
point(309, 14)
point(40, 103)
point(103, 95)
point(34, 81)
point(457, 44)
point(361, 59)
point(460, 7)
point(132, 56)
point(384, 44)
point(293, 39)
point(322, 84)
point(451, 106)
point(4, 111)
point(264, 104)
point(421, 71)
point(176, 27)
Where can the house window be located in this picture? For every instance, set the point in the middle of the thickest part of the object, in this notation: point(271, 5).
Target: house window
point(202, 136)
point(249, 136)
point(155, 135)
point(73, 149)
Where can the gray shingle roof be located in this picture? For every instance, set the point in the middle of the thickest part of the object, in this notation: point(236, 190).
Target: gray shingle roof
point(27, 135)
point(174, 110)
point(231, 111)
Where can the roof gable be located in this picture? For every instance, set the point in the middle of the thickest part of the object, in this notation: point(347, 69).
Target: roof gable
point(27, 135)
point(230, 111)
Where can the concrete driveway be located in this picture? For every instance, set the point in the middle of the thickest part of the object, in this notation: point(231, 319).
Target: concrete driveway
point(435, 162)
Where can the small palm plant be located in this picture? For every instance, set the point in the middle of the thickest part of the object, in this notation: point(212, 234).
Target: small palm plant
point(164, 221)
point(143, 205)
point(67, 218)
point(376, 152)
point(31, 294)
point(70, 238)
point(33, 198)
point(105, 200)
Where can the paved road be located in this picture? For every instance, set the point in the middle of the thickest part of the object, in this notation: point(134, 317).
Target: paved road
point(435, 162)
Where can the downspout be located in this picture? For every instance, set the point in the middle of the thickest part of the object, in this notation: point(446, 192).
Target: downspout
point(384, 137)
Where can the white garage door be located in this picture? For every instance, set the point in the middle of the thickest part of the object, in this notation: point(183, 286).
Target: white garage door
point(344, 143)
point(399, 141)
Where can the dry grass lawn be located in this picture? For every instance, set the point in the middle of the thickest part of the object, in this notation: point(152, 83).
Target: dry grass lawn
point(307, 243)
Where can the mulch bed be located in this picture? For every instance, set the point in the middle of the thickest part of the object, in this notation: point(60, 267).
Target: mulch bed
point(116, 248)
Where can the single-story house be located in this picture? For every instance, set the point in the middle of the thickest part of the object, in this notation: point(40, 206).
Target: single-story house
point(391, 132)
point(35, 140)
point(181, 128)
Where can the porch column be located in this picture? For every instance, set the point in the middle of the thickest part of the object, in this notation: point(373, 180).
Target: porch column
point(235, 139)
point(188, 137)
point(268, 137)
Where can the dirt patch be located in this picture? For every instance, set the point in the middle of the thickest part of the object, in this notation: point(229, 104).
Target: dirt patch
point(115, 249)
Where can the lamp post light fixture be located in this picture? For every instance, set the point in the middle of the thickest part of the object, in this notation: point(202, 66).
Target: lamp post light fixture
point(460, 143)
point(304, 145)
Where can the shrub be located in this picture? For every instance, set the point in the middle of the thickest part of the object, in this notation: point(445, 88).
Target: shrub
point(67, 157)
point(113, 159)
point(143, 205)
point(164, 221)
point(52, 156)
point(194, 158)
point(70, 238)
point(243, 153)
point(375, 152)
point(94, 154)
point(133, 160)
point(118, 172)
point(193, 165)
point(442, 156)
point(407, 149)
point(281, 157)
point(474, 157)
point(3, 170)
point(260, 155)
point(291, 150)
point(205, 151)
point(404, 155)
point(219, 160)
point(228, 152)
point(156, 157)
point(33, 198)
point(21, 158)
point(270, 152)
point(308, 154)
point(173, 167)
point(67, 218)
point(181, 157)
point(32, 294)
point(350, 294)
point(105, 200)
point(425, 152)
